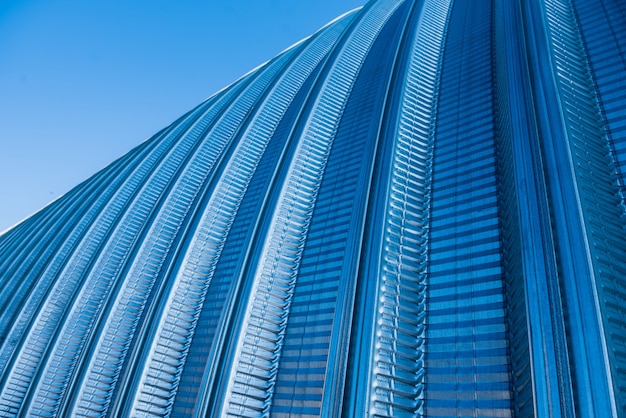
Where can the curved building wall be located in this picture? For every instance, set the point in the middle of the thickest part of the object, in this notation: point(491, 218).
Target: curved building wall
point(416, 211)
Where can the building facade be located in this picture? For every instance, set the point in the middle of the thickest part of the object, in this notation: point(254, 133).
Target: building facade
point(416, 211)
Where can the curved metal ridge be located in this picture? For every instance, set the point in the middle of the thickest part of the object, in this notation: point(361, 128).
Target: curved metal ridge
point(84, 283)
point(87, 246)
point(397, 365)
point(537, 331)
point(29, 297)
point(596, 195)
point(125, 311)
point(218, 216)
point(258, 345)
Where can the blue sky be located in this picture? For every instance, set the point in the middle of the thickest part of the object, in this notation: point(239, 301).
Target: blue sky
point(84, 81)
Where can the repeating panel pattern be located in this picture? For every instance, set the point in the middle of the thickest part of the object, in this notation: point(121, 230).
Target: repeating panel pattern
point(398, 363)
point(416, 211)
point(598, 207)
point(467, 360)
point(262, 333)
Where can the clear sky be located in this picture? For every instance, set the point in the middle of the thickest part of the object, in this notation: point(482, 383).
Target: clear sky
point(84, 81)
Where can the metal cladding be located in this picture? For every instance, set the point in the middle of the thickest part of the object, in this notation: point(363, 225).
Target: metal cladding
point(416, 211)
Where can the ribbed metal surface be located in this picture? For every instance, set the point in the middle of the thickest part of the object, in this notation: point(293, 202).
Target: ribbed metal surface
point(416, 211)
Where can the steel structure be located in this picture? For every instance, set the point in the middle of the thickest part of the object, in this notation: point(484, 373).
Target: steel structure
point(416, 211)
